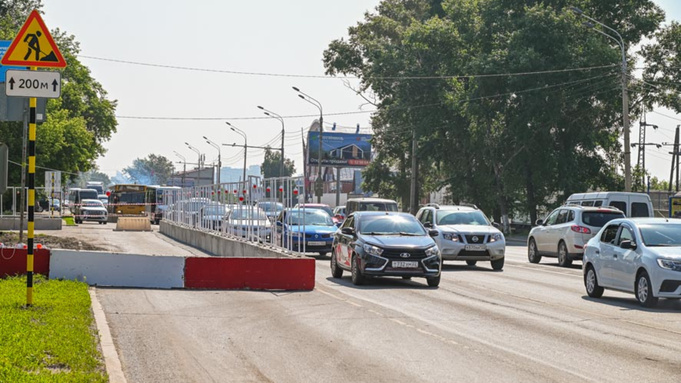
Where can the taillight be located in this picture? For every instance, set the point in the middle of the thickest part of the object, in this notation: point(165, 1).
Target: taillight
point(580, 229)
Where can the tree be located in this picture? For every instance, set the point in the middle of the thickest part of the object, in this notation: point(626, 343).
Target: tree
point(153, 170)
point(441, 71)
point(271, 165)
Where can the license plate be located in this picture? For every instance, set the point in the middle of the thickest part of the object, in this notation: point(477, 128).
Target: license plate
point(316, 243)
point(405, 264)
point(476, 247)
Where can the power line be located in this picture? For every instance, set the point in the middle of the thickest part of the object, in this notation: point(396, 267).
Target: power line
point(444, 77)
point(662, 114)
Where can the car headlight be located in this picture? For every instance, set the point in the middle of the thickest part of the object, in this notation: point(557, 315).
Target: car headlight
point(372, 250)
point(670, 264)
point(451, 236)
point(496, 237)
point(432, 251)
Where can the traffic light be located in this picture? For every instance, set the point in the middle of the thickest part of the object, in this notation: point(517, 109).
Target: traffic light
point(4, 161)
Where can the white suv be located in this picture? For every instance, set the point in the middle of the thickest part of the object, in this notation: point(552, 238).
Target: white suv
point(566, 230)
point(464, 234)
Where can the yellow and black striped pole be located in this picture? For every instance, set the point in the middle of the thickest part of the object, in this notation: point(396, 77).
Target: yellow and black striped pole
point(31, 196)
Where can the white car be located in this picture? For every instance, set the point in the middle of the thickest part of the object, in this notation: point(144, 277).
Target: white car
point(464, 234)
point(91, 210)
point(566, 230)
point(249, 222)
point(636, 255)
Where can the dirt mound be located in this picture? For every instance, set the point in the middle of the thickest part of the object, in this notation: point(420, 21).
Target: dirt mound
point(49, 241)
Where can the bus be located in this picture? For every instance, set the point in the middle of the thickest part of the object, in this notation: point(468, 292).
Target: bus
point(156, 201)
point(126, 199)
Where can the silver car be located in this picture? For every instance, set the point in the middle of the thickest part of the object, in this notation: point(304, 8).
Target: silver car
point(637, 255)
point(464, 234)
point(566, 230)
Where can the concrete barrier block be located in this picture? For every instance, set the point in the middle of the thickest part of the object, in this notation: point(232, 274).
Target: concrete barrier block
point(133, 224)
point(250, 273)
point(13, 261)
point(118, 270)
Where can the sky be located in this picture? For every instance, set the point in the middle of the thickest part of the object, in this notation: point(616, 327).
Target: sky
point(267, 36)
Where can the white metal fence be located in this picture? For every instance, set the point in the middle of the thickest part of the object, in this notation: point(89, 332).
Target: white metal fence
point(250, 210)
point(10, 202)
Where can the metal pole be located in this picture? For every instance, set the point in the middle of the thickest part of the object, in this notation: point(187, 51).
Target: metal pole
point(412, 196)
point(22, 199)
point(319, 159)
point(31, 196)
point(338, 186)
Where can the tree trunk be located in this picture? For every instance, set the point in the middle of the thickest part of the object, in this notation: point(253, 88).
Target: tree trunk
point(501, 198)
point(531, 197)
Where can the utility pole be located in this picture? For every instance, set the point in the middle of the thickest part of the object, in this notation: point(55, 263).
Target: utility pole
point(641, 163)
point(675, 161)
point(413, 208)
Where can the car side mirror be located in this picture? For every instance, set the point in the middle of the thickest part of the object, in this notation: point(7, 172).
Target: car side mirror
point(628, 245)
point(348, 231)
point(539, 222)
point(428, 224)
point(433, 233)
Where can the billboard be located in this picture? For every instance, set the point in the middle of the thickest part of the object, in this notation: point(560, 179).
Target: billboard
point(345, 150)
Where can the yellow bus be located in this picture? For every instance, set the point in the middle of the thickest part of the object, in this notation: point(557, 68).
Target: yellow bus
point(127, 199)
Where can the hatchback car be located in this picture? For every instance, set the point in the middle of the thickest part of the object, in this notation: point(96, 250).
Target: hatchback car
point(464, 234)
point(248, 222)
point(306, 230)
point(566, 230)
point(372, 244)
point(637, 255)
point(91, 210)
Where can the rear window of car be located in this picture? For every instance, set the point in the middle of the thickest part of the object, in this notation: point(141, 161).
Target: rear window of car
point(599, 218)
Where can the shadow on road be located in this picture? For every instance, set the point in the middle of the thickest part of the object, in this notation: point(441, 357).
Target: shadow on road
point(383, 283)
point(670, 306)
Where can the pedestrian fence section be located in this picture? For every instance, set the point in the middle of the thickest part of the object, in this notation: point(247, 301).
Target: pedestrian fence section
point(249, 211)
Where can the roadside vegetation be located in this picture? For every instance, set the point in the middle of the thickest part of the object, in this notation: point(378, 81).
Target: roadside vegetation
point(53, 340)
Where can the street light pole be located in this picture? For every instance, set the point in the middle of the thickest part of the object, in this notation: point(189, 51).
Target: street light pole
point(184, 166)
point(240, 132)
point(281, 119)
point(317, 104)
point(216, 146)
point(198, 174)
point(625, 96)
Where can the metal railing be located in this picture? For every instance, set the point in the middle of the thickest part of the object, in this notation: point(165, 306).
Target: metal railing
point(249, 211)
point(13, 194)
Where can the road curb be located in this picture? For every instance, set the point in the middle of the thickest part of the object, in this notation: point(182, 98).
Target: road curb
point(113, 364)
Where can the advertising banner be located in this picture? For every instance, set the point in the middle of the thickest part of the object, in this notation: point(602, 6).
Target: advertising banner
point(345, 150)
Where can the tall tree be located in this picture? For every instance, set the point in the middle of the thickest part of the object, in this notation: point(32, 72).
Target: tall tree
point(153, 170)
point(271, 165)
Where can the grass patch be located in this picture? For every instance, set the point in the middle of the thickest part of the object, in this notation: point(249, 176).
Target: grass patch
point(54, 340)
point(68, 220)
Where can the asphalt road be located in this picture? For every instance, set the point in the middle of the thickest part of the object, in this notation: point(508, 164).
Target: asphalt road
point(528, 323)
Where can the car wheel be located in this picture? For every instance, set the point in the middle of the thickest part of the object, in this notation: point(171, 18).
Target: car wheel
point(591, 283)
point(644, 290)
point(563, 256)
point(471, 263)
point(336, 271)
point(357, 277)
point(532, 253)
point(498, 264)
point(433, 281)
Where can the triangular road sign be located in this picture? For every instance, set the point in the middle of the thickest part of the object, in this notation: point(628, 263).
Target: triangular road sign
point(34, 46)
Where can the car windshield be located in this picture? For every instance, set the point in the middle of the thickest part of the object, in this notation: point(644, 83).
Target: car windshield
point(271, 207)
point(599, 218)
point(248, 213)
point(91, 203)
point(316, 217)
point(453, 217)
point(390, 225)
point(215, 210)
point(668, 234)
point(323, 208)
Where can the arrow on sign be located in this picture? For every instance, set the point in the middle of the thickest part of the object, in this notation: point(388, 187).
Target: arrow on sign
point(54, 85)
point(11, 83)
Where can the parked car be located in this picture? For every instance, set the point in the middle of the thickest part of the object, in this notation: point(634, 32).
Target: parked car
point(249, 222)
point(271, 209)
point(369, 204)
point(631, 204)
point(566, 230)
point(464, 234)
point(320, 206)
point(339, 211)
point(91, 210)
point(372, 244)
point(637, 255)
point(213, 215)
point(308, 230)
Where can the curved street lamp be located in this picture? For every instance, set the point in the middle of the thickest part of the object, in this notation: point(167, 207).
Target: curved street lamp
point(216, 146)
point(281, 119)
point(241, 132)
point(318, 105)
point(198, 173)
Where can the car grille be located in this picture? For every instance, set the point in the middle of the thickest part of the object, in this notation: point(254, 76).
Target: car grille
point(319, 235)
point(468, 253)
point(476, 238)
point(93, 212)
point(395, 254)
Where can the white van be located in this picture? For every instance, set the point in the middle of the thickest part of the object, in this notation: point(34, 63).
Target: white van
point(632, 204)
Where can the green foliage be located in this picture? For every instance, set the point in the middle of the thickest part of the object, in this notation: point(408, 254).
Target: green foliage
point(271, 165)
point(662, 74)
point(153, 170)
point(492, 139)
point(53, 340)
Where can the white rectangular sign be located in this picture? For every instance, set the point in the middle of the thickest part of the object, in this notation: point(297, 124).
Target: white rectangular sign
point(52, 182)
point(30, 83)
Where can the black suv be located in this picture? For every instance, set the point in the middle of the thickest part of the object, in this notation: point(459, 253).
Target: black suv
point(385, 244)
